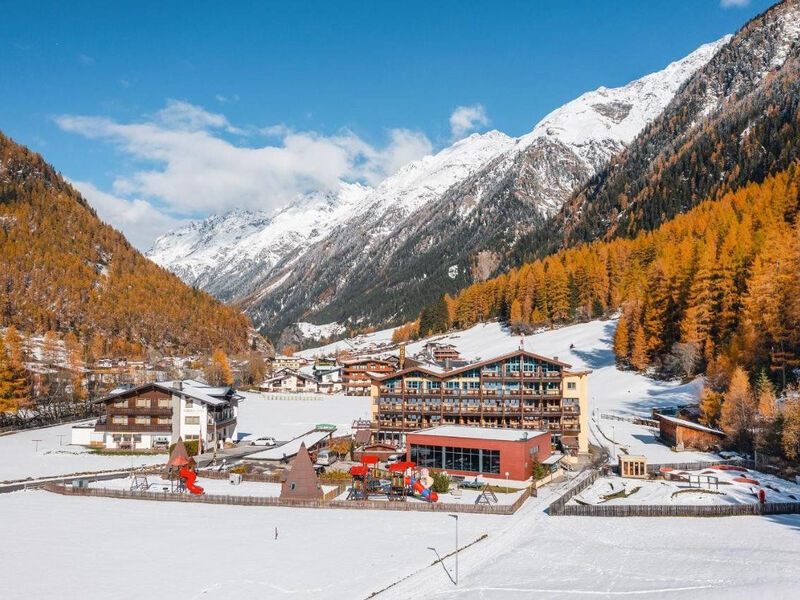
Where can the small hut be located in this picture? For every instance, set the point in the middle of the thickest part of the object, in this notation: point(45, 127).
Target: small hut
point(301, 482)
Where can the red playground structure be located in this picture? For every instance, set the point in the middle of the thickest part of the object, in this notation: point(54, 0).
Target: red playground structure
point(189, 477)
point(403, 481)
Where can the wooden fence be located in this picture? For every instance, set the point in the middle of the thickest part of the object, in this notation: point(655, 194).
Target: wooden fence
point(505, 509)
point(671, 510)
point(559, 504)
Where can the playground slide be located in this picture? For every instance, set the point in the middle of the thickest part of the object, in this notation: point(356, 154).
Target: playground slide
point(426, 494)
point(190, 477)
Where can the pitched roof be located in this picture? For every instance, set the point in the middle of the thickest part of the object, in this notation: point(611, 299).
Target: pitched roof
point(691, 425)
point(439, 372)
point(191, 388)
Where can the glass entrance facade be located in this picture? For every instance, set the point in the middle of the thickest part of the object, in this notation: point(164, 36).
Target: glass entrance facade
point(450, 458)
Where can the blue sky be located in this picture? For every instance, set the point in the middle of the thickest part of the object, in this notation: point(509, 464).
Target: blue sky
point(163, 111)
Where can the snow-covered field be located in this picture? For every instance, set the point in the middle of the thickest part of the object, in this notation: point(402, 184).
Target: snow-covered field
point(286, 419)
point(19, 458)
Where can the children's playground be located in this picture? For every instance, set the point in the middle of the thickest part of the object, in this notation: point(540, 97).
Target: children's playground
point(404, 481)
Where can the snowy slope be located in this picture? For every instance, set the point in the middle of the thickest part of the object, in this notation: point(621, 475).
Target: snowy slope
point(228, 255)
point(223, 252)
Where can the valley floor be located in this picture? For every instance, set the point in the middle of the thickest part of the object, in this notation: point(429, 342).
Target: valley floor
point(99, 548)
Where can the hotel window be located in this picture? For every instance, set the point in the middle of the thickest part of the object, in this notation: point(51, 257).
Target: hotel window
point(413, 385)
point(143, 420)
point(434, 385)
point(571, 385)
point(121, 403)
point(163, 420)
point(119, 420)
point(163, 402)
point(473, 385)
point(142, 402)
point(191, 420)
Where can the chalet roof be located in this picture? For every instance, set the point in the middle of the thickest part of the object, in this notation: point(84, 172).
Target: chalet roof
point(691, 425)
point(191, 388)
point(366, 359)
point(287, 372)
point(440, 373)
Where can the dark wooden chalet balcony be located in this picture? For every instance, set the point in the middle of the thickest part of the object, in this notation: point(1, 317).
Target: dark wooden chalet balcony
point(133, 428)
point(140, 410)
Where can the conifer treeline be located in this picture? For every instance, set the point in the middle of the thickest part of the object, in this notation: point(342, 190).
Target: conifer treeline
point(63, 270)
point(720, 280)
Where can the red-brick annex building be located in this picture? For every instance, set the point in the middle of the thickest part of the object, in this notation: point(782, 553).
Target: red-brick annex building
point(491, 452)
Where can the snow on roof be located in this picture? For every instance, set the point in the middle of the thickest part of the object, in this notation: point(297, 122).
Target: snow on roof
point(553, 459)
point(291, 447)
point(481, 433)
point(690, 424)
point(197, 390)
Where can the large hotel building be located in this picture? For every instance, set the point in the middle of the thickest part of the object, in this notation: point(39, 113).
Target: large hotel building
point(520, 390)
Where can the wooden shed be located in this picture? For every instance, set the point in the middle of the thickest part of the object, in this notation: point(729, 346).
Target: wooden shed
point(631, 465)
point(683, 434)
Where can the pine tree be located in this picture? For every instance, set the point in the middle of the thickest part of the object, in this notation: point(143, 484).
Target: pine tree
point(639, 358)
point(710, 407)
point(516, 312)
point(622, 341)
point(218, 371)
point(739, 410)
point(765, 396)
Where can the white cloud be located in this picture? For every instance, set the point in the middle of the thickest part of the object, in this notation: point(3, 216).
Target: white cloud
point(184, 163)
point(467, 118)
point(732, 3)
point(138, 219)
point(85, 60)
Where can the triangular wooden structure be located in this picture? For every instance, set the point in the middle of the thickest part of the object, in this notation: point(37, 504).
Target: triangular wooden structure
point(301, 481)
point(487, 496)
point(179, 456)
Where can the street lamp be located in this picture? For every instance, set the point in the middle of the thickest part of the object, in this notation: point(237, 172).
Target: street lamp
point(613, 443)
point(456, 518)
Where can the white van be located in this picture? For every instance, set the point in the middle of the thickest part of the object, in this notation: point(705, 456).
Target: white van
point(326, 457)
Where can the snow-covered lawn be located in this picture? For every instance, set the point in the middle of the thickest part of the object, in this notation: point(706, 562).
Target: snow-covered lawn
point(643, 440)
point(98, 548)
point(531, 555)
point(19, 458)
point(287, 419)
point(618, 490)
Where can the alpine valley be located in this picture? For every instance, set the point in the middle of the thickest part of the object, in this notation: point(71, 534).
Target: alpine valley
point(612, 162)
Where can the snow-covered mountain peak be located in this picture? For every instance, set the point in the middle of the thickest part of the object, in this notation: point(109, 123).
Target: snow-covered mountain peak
point(416, 183)
point(617, 115)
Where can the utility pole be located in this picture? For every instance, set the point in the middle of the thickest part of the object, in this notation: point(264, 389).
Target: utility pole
point(456, 518)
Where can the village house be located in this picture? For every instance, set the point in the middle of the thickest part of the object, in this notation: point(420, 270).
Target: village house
point(156, 414)
point(357, 373)
point(290, 380)
point(287, 362)
point(329, 378)
point(520, 390)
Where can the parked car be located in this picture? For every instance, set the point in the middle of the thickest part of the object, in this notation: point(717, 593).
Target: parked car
point(264, 441)
point(395, 458)
point(326, 457)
